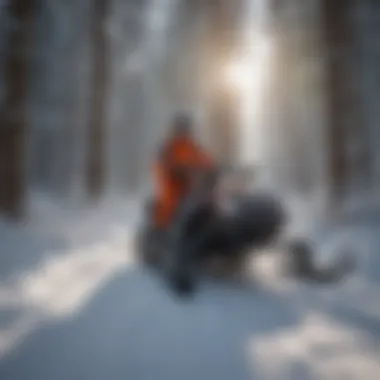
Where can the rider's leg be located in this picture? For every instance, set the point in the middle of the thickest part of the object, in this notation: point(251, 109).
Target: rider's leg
point(190, 243)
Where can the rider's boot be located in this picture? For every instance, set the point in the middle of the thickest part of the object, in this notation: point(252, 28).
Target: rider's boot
point(182, 277)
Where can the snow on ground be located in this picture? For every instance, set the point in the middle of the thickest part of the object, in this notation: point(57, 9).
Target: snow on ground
point(74, 304)
point(54, 263)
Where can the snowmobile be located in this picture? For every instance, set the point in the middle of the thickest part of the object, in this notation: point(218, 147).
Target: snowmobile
point(231, 223)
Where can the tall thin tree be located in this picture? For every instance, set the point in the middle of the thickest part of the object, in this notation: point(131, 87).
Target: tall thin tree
point(346, 125)
point(336, 40)
point(13, 120)
point(95, 176)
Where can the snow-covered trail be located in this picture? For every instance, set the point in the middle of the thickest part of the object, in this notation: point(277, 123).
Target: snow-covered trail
point(74, 305)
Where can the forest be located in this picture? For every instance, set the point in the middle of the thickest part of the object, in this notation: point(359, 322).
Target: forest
point(286, 89)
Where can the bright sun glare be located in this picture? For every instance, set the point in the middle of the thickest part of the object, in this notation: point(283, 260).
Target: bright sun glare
point(249, 68)
point(248, 76)
point(238, 74)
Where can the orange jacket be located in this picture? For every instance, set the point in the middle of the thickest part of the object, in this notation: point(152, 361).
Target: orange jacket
point(170, 191)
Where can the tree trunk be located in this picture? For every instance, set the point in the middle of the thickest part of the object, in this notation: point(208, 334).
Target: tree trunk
point(348, 130)
point(337, 42)
point(362, 175)
point(14, 121)
point(96, 134)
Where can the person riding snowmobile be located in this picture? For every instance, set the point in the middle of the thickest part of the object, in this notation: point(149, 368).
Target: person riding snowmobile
point(180, 156)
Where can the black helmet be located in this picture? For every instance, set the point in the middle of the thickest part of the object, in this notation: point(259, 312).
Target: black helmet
point(182, 124)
